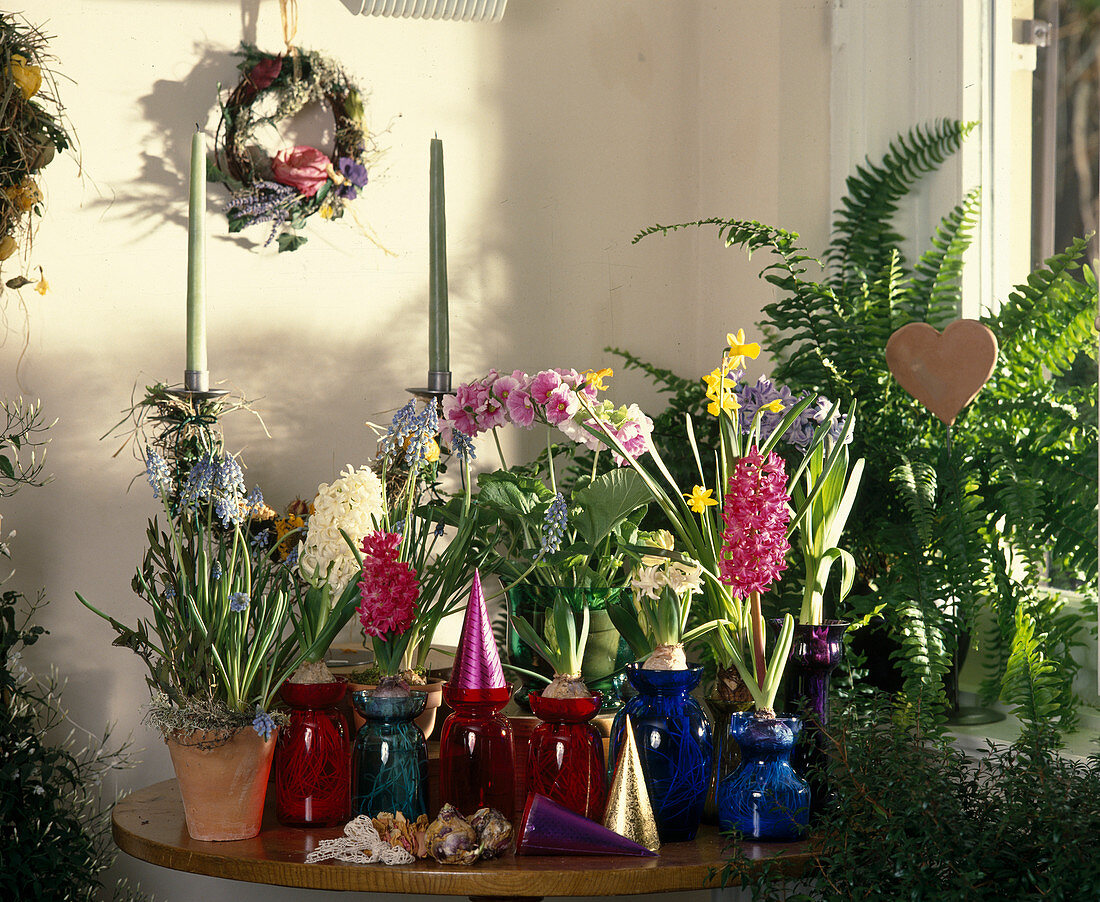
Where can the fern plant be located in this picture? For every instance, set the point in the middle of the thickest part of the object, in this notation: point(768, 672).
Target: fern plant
point(1013, 482)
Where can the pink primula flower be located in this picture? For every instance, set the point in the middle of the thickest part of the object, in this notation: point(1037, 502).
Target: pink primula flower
point(543, 385)
point(388, 589)
point(520, 409)
point(561, 404)
point(303, 168)
point(756, 514)
point(458, 412)
point(634, 435)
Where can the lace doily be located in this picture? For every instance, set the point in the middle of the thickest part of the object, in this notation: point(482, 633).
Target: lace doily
point(360, 844)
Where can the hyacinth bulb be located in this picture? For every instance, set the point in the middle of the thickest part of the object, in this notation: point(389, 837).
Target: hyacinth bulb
point(451, 839)
point(494, 832)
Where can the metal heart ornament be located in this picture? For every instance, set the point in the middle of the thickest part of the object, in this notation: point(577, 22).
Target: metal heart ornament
point(944, 371)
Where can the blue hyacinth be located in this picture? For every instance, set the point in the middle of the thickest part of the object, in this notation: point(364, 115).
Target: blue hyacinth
point(263, 723)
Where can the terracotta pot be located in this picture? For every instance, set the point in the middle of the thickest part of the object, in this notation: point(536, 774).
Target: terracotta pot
point(426, 720)
point(223, 781)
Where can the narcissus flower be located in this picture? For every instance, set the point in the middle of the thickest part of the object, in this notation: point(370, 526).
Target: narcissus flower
point(740, 349)
point(700, 499)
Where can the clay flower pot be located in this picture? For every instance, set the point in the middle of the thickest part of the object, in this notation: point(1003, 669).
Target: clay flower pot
point(223, 781)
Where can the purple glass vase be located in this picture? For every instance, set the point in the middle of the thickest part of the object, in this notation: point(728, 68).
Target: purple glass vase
point(815, 653)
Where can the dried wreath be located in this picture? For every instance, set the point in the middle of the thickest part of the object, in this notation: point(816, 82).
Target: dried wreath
point(295, 183)
point(32, 130)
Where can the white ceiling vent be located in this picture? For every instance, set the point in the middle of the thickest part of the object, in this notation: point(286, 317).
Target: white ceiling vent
point(457, 10)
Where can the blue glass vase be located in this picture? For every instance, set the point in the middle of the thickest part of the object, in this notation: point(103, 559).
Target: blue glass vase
point(764, 798)
point(674, 742)
point(389, 762)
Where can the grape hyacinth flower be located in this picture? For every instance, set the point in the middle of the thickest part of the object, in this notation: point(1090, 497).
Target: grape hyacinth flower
point(263, 723)
point(238, 602)
point(158, 472)
point(553, 525)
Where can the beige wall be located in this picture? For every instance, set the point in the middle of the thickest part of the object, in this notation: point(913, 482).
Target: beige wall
point(567, 127)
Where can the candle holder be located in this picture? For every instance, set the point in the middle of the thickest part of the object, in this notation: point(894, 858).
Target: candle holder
point(439, 386)
point(196, 387)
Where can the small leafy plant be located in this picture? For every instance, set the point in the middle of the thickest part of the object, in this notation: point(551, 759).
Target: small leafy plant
point(562, 648)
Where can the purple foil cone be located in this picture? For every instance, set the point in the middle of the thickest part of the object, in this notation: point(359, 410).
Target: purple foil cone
point(477, 661)
point(548, 828)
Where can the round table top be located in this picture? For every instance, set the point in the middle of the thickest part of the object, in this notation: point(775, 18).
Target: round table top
point(149, 825)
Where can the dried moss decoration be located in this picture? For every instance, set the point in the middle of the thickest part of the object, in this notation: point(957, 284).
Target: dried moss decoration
point(33, 129)
point(285, 190)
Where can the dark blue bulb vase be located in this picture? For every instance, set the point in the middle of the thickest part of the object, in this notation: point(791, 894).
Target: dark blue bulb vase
point(764, 798)
point(674, 742)
point(389, 762)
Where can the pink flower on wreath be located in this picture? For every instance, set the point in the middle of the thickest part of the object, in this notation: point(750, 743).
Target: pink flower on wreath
point(265, 72)
point(388, 589)
point(504, 386)
point(561, 404)
point(302, 168)
point(754, 542)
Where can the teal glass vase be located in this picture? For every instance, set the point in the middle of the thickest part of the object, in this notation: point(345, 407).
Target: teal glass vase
point(389, 761)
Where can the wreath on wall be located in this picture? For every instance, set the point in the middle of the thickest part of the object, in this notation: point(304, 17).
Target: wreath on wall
point(32, 131)
point(296, 183)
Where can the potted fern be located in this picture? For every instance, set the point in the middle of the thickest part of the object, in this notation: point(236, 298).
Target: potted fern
point(565, 760)
point(1019, 484)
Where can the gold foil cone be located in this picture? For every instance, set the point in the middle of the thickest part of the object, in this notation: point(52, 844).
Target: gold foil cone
point(628, 810)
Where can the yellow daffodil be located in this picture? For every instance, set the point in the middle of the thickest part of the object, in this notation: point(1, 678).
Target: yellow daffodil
point(728, 403)
point(775, 406)
point(700, 499)
point(433, 452)
point(27, 78)
point(595, 378)
point(739, 349)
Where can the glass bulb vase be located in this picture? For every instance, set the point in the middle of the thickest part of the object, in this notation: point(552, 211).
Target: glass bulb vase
point(565, 760)
point(673, 735)
point(390, 757)
point(764, 799)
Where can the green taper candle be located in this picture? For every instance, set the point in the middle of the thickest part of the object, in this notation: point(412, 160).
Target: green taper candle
point(439, 341)
point(196, 257)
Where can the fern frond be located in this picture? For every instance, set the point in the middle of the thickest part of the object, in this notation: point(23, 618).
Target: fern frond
point(916, 482)
point(863, 232)
point(936, 293)
point(1031, 684)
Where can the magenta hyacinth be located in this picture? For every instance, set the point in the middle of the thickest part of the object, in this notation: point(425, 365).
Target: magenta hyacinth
point(389, 589)
point(754, 542)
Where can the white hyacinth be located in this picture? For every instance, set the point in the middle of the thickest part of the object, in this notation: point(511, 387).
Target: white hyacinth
point(352, 503)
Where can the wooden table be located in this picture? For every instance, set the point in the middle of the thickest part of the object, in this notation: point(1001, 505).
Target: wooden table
point(149, 825)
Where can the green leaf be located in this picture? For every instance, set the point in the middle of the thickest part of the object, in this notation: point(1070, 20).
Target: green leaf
point(6, 467)
point(608, 500)
point(289, 241)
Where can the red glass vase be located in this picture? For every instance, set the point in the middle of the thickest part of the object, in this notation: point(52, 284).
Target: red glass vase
point(565, 760)
point(312, 758)
point(476, 759)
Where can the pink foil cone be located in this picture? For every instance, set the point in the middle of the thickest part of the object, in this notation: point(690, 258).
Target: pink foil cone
point(477, 661)
point(548, 828)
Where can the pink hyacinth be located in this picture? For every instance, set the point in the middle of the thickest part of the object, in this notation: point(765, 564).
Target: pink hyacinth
point(754, 542)
point(388, 589)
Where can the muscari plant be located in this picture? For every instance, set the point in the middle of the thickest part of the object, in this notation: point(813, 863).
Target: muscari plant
point(218, 640)
point(942, 529)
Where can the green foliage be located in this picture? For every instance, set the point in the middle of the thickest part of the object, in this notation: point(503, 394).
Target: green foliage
point(916, 818)
point(55, 842)
point(1016, 476)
